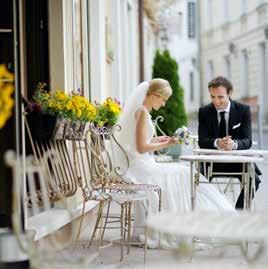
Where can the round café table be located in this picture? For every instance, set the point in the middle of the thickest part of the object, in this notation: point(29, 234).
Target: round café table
point(247, 173)
point(246, 152)
point(240, 227)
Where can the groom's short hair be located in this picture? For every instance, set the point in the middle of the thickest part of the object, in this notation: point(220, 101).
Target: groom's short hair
point(221, 81)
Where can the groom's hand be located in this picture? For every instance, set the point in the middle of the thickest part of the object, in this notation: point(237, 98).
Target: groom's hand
point(226, 143)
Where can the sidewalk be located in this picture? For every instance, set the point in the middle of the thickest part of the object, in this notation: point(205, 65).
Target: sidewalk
point(228, 256)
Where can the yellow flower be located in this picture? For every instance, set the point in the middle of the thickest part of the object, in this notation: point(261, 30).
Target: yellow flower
point(115, 108)
point(5, 75)
point(6, 90)
point(78, 113)
point(112, 105)
point(60, 95)
point(69, 105)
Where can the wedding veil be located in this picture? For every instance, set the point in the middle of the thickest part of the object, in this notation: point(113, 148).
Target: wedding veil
point(127, 135)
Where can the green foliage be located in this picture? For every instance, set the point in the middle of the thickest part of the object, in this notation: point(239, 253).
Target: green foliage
point(174, 112)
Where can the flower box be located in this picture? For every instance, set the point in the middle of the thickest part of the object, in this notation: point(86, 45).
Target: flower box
point(41, 126)
point(67, 129)
point(45, 127)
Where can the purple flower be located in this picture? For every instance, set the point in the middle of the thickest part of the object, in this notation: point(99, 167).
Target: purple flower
point(36, 107)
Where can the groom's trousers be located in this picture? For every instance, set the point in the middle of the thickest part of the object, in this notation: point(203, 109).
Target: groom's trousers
point(233, 168)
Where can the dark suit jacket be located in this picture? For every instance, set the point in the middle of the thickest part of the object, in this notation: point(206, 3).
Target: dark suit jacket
point(239, 127)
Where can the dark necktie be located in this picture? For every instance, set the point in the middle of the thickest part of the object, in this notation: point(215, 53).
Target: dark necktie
point(222, 126)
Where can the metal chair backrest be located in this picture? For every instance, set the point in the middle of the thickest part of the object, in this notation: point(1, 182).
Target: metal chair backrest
point(99, 159)
point(31, 196)
point(55, 157)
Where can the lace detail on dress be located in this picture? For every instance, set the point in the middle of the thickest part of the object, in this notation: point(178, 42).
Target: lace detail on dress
point(140, 109)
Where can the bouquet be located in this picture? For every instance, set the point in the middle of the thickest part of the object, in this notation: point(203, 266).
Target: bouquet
point(183, 135)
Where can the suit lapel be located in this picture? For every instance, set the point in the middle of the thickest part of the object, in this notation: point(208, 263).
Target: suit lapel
point(231, 117)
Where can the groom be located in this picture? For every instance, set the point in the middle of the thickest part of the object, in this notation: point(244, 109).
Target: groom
point(225, 125)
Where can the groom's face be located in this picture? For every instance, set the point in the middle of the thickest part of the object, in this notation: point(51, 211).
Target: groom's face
point(219, 97)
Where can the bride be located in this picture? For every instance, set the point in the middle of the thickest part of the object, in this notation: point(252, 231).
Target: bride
point(136, 137)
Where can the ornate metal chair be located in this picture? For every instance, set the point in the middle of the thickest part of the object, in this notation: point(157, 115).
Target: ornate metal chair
point(56, 158)
point(101, 178)
point(32, 199)
point(163, 154)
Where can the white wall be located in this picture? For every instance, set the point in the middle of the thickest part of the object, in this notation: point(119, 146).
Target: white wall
point(149, 49)
point(122, 73)
point(97, 50)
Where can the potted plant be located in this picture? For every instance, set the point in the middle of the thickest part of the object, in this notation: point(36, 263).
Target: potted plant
point(107, 113)
point(174, 111)
point(65, 114)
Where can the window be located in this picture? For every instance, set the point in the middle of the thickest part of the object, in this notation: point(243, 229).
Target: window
point(210, 70)
point(245, 73)
point(261, 86)
point(77, 46)
point(243, 6)
point(227, 67)
point(191, 19)
point(191, 86)
point(225, 10)
point(209, 14)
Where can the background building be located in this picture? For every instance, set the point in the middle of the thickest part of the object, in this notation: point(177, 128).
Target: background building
point(234, 38)
point(178, 33)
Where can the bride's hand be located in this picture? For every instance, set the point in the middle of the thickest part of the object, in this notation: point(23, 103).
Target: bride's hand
point(158, 139)
point(173, 140)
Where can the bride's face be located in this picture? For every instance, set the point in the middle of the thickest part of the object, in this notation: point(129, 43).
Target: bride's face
point(158, 101)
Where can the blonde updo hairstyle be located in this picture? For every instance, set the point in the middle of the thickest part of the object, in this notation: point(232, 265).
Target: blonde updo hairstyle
point(159, 87)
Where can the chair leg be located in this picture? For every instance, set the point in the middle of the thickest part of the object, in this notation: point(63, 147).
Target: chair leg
point(100, 226)
point(106, 220)
point(145, 233)
point(125, 221)
point(159, 210)
point(97, 223)
point(122, 232)
point(81, 221)
point(129, 227)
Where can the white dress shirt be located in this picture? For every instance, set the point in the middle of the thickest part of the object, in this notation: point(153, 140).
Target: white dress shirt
point(226, 116)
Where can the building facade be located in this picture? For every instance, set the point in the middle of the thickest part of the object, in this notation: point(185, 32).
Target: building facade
point(90, 45)
point(234, 37)
point(179, 34)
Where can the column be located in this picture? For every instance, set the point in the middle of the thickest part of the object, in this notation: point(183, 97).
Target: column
point(116, 25)
point(97, 50)
point(58, 29)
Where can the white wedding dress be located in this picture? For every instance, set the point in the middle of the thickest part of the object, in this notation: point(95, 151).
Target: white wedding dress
point(174, 180)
